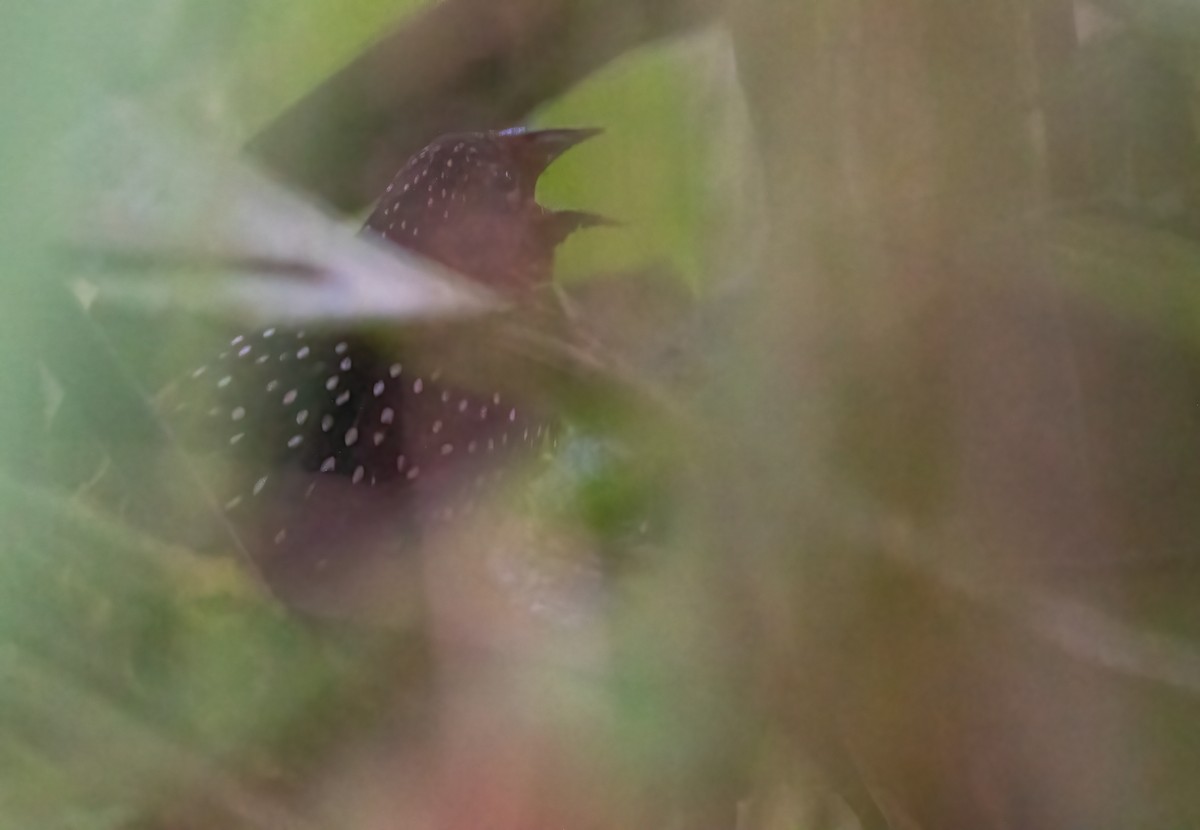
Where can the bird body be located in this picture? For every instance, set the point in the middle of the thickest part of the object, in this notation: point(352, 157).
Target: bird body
point(335, 435)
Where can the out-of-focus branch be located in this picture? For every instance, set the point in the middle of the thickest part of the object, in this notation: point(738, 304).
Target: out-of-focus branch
point(461, 64)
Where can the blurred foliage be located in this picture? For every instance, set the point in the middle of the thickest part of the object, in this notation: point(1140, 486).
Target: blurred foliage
point(1142, 273)
point(131, 668)
point(913, 536)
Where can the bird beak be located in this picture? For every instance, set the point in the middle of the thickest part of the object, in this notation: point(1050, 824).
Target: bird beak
point(541, 147)
point(560, 224)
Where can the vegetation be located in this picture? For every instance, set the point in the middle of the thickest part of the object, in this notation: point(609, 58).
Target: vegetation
point(877, 505)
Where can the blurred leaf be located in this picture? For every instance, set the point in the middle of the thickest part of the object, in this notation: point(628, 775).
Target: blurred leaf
point(1169, 18)
point(209, 233)
point(228, 66)
point(127, 666)
point(1151, 276)
point(286, 47)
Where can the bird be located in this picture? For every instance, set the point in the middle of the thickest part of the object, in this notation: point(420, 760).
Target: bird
point(468, 202)
point(335, 433)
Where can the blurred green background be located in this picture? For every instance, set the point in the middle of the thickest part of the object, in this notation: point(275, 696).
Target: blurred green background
point(927, 491)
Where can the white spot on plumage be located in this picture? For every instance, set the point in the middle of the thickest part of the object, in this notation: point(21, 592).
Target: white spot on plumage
point(340, 348)
point(259, 485)
point(235, 438)
point(395, 369)
point(238, 413)
point(418, 385)
point(445, 397)
point(512, 415)
point(379, 387)
point(199, 371)
point(295, 441)
point(496, 398)
point(328, 464)
point(233, 502)
point(387, 416)
point(342, 398)
point(236, 340)
point(378, 437)
point(269, 333)
point(303, 352)
point(399, 463)
point(346, 364)
point(272, 385)
point(280, 536)
point(261, 359)
point(289, 397)
point(447, 449)
point(244, 350)
point(462, 405)
point(301, 416)
point(351, 436)
point(437, 427)
point(359, 472)
point(413, 473)
point(326, 423)
point(225, 381)
point(331, 382)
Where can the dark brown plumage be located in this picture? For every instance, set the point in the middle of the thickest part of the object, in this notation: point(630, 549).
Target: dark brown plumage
point(468, 202)
point(333, 435)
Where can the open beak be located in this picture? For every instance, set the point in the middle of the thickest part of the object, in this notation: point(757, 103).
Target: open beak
point(539, 149)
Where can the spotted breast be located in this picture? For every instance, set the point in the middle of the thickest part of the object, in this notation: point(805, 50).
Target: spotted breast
point(329, 436)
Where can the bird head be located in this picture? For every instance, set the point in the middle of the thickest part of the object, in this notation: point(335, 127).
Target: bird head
point(468, 202)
